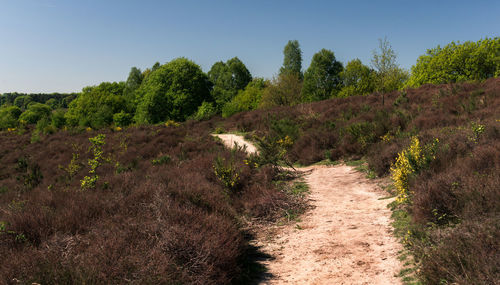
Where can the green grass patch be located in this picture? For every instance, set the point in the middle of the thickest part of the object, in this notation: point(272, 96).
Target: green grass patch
point(328, 162)
point(402, 224)
point(361, 165)
point(299, 188)
point(4, 189)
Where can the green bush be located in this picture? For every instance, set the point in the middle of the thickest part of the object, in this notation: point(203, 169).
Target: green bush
point(246, 100)
point(9, 116)
point(164, 159)
point(35, 112)
point(95, 106)
point(173, 91)
point(58, 119)
point(228, 173)
point(96, 142)
point(44, 126)
point(363, 133)
point(205, 111)
point(22, 101)
point(122, 119)
point(458, 62)
point(283, 128)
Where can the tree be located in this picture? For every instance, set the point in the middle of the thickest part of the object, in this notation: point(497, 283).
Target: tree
point(23, 101)
point(227, 79)
point(458, 62)
point(35, 112)
point(133, 83)
point(322, 78)
point(247, 99)
point(53, 103)
point(9, 116)
point(205, 111)
point(357, 79)
point(172, 92)
point(282, 91)
point(390, 76)
point(292, 61)
point(95, 106)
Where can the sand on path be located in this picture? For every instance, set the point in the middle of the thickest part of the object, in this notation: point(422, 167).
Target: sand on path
point(345, 237)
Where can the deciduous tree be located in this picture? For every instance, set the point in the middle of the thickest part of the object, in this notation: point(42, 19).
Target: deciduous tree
point(282, 91)
point(458, 62)
point(228, 78)
point(172, 92)
point(357, 79)
point(322, 78)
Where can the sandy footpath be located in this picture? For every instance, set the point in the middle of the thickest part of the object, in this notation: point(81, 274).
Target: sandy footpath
point(230, 140)
point(345, 238)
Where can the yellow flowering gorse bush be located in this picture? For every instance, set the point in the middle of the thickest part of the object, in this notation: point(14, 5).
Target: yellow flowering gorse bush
point(409, 161)
point(406, 164)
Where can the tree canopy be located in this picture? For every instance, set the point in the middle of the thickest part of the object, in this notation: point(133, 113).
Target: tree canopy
point(292, 60)
point(9, 116)
point(282, 91)
point(247, 99)
point(228, 78)
point(322, 78)
point(172, 91)
point(458, 62)
point(390, 76)
point(34, 113)
point(133, 83)
point(357, 79)
point(96, 105)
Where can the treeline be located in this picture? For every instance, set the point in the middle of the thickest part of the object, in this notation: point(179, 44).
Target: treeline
point(180, 90)
point(54, 100)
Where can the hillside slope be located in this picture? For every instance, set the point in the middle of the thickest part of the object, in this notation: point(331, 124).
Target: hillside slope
point(450, 137)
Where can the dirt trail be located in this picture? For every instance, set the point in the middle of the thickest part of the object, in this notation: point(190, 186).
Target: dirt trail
point(345, 238)
point(231, 139)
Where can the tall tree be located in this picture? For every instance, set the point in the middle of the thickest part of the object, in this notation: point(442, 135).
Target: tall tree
point(283, 91)
point(173, 91)
point(96, 105)
point(228, 78)
point(322, 79)
point(133, 83)
point(357, 79)
point(390, 76)
point(292, 61)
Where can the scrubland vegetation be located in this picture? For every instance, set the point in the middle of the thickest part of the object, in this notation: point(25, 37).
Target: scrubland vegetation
point(440, 144)
point(123, 182)
point(142, 205)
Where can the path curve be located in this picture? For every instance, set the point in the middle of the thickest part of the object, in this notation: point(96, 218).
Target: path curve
point(231, 139)
point(345, 238)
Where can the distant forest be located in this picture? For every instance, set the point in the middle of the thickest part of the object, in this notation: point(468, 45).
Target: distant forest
point(179, 90)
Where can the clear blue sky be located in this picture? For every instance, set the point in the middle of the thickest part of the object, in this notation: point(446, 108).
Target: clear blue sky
point(62, 46)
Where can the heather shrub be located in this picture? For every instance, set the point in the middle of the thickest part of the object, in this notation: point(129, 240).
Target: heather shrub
point(164, 159)
point(164, 223)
